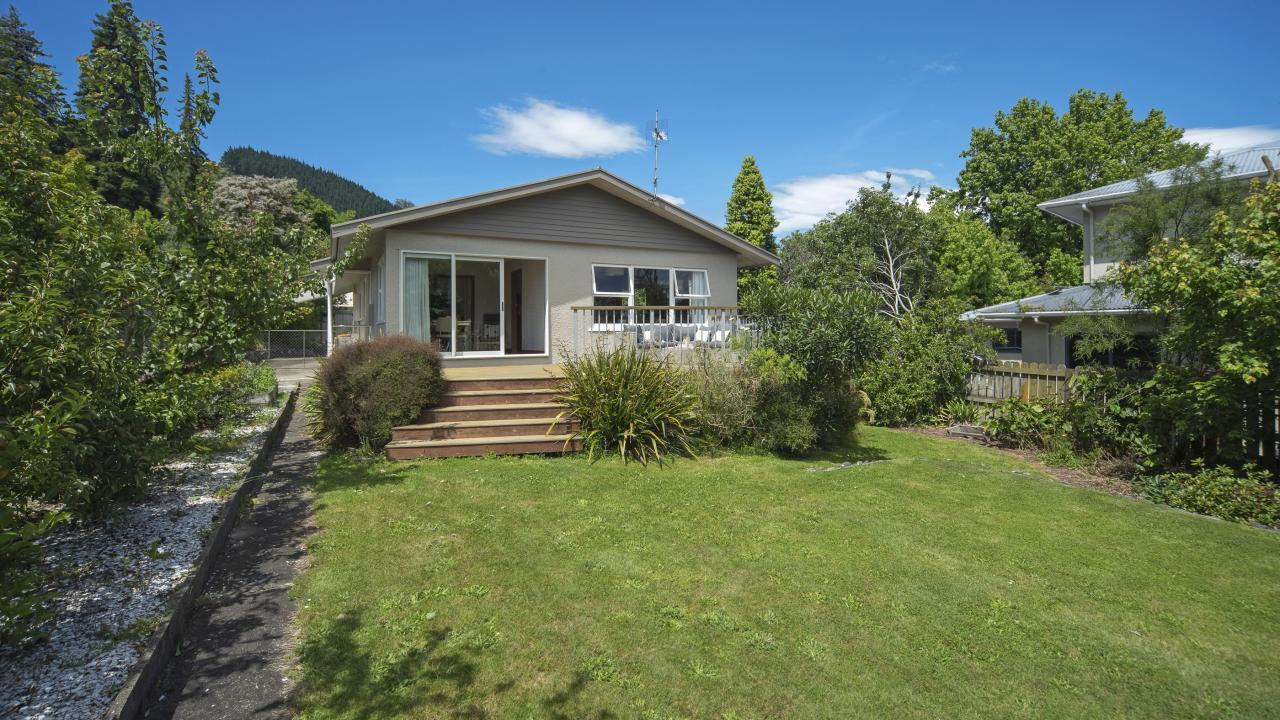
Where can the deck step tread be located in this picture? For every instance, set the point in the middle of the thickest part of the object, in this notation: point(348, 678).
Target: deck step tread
point(447, 424)
point(511, 439)
point(498, 393)
point(498, 406)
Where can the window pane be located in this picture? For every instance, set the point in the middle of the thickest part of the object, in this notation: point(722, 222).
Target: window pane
point(692, 282)
point(653, 286)
point(612, 280)
point(603, 317)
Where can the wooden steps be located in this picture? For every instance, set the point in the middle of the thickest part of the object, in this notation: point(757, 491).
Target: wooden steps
point(503, 416)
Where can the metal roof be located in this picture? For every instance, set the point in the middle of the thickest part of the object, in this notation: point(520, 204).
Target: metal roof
point(1100, 299)
point(597, 177)
point(1237, 164)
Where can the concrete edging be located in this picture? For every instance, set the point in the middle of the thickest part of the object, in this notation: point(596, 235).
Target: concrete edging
point(133, 695)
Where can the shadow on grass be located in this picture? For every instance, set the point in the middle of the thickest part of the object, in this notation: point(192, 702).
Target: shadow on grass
point(420, 673)
point(848, 453)
point(352, 469)
point(557, 705)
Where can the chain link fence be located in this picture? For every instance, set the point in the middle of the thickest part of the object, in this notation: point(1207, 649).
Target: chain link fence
point(289, 344)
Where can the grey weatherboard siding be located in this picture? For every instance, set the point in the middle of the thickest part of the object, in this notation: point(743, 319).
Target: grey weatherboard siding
point(581, 214)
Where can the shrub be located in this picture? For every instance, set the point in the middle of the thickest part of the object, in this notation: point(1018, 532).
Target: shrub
point(957, 411)
point(630, 402)
point(22, 604)
point(783, 418)
point(924, 363)
point(365, 389)
point(1098, 420)
point(1245, 496)
point(726, 400)
point(1030, 425)
point(832, 336)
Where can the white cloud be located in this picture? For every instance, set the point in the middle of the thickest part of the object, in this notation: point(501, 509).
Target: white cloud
point(673, 199)
point(545, 128)
point(1229, 138)
point(939, 67)
point(805, 200)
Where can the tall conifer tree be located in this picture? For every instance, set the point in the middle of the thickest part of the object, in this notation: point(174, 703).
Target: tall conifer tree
point(750, 211)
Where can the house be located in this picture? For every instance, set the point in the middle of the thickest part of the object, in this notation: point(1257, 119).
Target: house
point(1031, 325)
point(525, 274)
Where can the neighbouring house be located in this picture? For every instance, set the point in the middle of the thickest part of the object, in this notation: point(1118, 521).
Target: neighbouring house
point(1031, 325)
point(525, 274)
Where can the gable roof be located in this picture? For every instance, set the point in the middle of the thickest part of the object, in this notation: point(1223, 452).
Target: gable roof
point(1101, 299)
point(1237, 164)
point(598, 178)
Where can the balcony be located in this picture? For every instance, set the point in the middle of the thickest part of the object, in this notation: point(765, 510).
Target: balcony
point(673, 332)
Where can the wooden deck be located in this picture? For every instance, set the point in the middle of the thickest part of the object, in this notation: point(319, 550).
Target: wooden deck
point(502, 372)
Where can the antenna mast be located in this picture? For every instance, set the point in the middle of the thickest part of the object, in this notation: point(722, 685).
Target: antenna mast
point(659, 136)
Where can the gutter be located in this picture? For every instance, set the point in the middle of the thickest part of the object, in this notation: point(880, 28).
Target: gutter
point(1088, 243)
point(1058, 313)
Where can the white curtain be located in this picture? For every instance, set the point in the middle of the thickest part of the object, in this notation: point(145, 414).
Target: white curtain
point(698, 283)
point(417, 315)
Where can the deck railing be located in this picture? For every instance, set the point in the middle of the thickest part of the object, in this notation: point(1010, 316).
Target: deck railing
point(671, 331)
point(1010, 378)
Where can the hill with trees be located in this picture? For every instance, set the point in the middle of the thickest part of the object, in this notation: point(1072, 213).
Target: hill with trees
point(341, 193)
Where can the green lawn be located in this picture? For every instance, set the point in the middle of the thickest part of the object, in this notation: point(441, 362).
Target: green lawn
point(946, 581)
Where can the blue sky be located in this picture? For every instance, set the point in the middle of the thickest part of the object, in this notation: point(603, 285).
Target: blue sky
point(432, 100)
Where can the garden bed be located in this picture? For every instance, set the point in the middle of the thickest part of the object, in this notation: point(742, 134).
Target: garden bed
point(115, 579)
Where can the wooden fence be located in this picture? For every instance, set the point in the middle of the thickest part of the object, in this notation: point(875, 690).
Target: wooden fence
point(1010, 378)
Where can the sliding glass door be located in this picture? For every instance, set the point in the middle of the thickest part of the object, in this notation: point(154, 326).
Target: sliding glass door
point(457, 302)
point(478, 304)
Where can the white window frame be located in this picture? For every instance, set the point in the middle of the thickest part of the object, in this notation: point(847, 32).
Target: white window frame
point(380, 288)
point(454, 257)
point(695, 300)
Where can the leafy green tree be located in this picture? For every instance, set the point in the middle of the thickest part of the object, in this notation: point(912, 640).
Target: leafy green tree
point(1033, 154)
point(1062, 269)
point(1219, 298)
point(879, 243)
point(924, 362)
point(1185, 209)
point(977, 267)
point(833, 336)
point(120, 99)
point(76, 290)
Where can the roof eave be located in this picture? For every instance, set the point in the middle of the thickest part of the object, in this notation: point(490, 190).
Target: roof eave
point(598, 177)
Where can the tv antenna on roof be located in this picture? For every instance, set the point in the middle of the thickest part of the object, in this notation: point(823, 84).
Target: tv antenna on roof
point(659, 136)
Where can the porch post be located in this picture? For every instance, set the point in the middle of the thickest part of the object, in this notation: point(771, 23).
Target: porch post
point(328, 317)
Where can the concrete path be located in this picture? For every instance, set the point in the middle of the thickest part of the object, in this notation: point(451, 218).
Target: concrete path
point(236, 651)
point(292, 373)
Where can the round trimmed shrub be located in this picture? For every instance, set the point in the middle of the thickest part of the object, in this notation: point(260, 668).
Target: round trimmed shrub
point(363, 390)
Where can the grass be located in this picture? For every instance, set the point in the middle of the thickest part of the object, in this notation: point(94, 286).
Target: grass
point(947, 581)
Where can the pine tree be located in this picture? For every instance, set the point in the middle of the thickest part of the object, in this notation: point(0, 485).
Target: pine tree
point(119, 99)
point(23, 73)
point(750, 211)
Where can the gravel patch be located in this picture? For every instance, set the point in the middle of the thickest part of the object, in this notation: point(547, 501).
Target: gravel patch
point(115, 577)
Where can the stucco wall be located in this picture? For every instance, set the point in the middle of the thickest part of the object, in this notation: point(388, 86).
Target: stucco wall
point(568, 267)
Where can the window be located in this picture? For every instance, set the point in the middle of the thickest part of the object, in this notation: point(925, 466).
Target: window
point(622, 286)
point(612, 285)
point(1012, 341)
point(692, 290)
point(652, 287)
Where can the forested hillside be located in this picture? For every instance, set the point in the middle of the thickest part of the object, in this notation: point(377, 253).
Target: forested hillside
point(341, 193)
